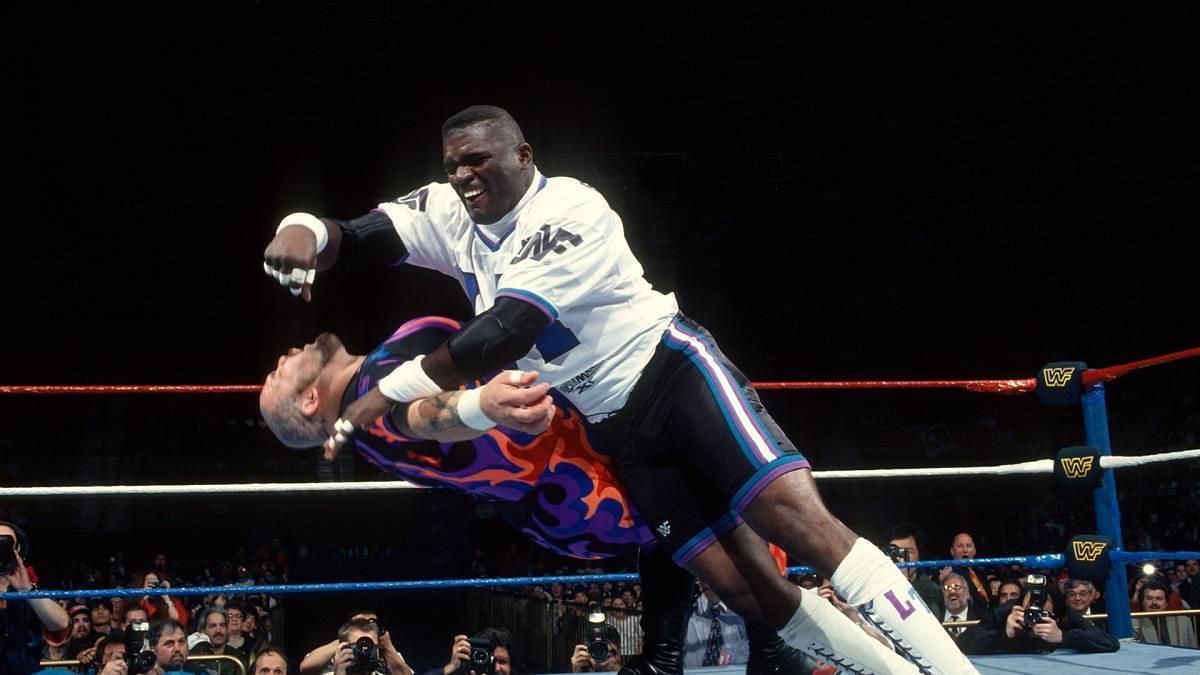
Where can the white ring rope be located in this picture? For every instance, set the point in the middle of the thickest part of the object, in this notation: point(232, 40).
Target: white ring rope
point(1035, 466)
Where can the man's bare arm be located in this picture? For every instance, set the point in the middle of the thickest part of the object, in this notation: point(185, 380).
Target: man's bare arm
point(510, 399)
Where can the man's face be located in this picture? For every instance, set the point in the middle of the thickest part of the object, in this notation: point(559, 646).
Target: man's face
point(1154, 600)
point(1180, 572)
point(81, 625)
point(270, 664)
point(112, 650)
point(1193, 567)
point(963, 546)
point(298, 370)
point(136, 616)
point(488, 169)
point(954, 592)
point(503, 661)
point(171, 650)
point(908, 544)
point(234, 621)
point(1080, 597)
point(1008, 591)
point(160, 561)
point(101, 616)
point(216, 628)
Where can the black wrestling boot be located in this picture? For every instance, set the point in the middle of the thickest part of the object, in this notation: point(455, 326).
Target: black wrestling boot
point(770, 655)
point(667, 595)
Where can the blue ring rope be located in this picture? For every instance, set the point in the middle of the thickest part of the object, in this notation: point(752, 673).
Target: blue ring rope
point(1043, 561)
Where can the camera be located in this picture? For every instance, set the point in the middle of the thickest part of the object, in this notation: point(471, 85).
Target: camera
point(138, 655)
point(895, 553)
point(482, 659)
point(597, 635)
point(141, 662)
point(366, 657)
point(8, 555)
point(1036, 584)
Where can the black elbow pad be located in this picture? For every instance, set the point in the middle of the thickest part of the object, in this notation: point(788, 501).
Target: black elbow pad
point(496, 338)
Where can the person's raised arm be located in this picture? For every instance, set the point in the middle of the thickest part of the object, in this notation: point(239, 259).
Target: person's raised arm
point(314, 662)
point(305, 244)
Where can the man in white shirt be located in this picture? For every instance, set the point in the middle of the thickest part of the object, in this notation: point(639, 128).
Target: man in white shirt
point(556, 289)
point(716, 636)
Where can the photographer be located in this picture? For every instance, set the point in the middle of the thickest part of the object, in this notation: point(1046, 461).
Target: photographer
point(110, 653)
point(1041, 622)
point(904, 546)
point(24, 624)
point(602, 653)
point(320, 660)
point(160, 607)
point(358, 649)
point(483, 654)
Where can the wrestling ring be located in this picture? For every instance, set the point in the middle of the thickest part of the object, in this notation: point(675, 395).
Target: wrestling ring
point(1099, 555)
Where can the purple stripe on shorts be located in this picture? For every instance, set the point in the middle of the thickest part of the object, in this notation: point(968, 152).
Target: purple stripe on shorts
point(723, 525)
point(786, 464)
point(684, 557)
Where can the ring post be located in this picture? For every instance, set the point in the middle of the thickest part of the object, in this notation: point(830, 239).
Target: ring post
point(1108, 513)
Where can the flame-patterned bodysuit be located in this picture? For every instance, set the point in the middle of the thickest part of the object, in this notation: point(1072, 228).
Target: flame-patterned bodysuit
point(557, 487)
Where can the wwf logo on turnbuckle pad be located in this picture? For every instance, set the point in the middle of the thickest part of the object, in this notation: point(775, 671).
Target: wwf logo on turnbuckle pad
point(1087, 557)
point(546, 242)
point(664, 528)
point(1076, 467)
point(1088, 551)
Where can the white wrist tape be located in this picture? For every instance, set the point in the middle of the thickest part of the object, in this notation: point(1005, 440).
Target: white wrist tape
point(311, 222)
point(471, 413)
point(408, 383)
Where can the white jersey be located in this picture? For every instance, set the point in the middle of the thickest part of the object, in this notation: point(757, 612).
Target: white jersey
point(563, 250)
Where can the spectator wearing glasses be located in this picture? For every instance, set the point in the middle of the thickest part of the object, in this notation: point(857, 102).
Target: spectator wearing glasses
point(957, 600)
point(235, 616)
point(1083, 597)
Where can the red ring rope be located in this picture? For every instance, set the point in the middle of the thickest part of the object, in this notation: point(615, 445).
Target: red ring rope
point(1018, 386)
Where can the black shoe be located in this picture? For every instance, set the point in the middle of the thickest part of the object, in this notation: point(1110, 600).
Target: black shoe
point(770, 655)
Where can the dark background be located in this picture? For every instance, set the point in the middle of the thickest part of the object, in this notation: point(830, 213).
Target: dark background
point(904, 191)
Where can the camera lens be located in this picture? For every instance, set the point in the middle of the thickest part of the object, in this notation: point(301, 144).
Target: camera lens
point(364, 650)
point(141, 662)
point(598, 650)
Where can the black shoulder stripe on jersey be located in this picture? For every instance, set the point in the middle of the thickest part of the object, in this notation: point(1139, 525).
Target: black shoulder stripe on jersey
point(371, 240)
